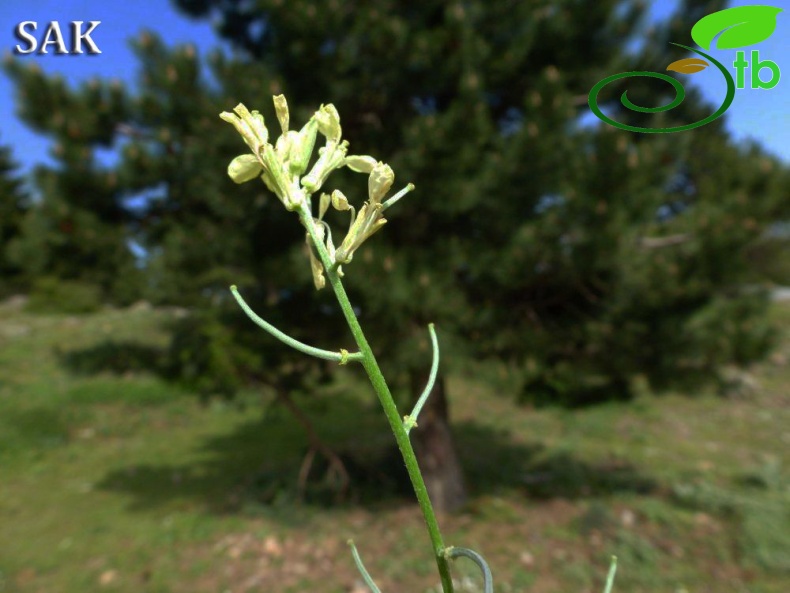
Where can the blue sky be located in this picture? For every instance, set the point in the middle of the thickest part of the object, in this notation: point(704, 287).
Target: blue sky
point(120, 21)
point(761, 115)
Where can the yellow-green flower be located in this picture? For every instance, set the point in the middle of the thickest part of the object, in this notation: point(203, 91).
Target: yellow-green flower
point(272, 164)
point(281, 165)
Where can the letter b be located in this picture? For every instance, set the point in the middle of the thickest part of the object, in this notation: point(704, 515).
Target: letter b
point(758, 65)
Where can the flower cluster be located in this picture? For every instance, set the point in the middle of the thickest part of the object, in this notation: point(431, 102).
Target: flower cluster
point(282, 167)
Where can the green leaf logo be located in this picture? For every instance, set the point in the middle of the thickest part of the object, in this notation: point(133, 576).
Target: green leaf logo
point(739, 26)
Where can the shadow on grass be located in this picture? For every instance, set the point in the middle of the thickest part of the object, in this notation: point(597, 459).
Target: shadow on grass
point(494, 463)
point(255, 468)
point(113, 356)
point(32, 430)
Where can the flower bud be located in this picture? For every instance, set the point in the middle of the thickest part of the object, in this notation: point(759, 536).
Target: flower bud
point(360, 163)
point(302, 148)
point(329, 122)
point(250, 125)
point(242, 127)
point(381, 179)
point(283, 146)
point(259, 127)
point(244, 168)
point(340, 201)
point(281, 108)
point(323, 204)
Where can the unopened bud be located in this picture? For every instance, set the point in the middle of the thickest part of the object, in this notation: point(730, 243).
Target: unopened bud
point(302, 147)
point(329, 122)
point(360, 163)
point(281, 108)
point(244, 168)
point(323, 204)
point(340, 201)
point(381, 179)
point(250, 125)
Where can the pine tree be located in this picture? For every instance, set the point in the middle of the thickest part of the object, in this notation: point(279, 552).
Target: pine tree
point(530, 240)
point(533, 241)
point(577, 257)
point(77, 234)
point(203, 232)
point(14, 202)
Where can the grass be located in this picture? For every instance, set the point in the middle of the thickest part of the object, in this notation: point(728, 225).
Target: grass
point(121, 482)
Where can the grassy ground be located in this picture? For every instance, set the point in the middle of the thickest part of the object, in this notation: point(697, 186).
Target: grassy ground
point(121, 482)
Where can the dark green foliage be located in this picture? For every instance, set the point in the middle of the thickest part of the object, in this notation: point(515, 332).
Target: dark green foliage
point(770, 257)
point(53, 295)
point(113, 356)
point(582, 256)
point(205, 357)
point(14, 201)
point(79, 228)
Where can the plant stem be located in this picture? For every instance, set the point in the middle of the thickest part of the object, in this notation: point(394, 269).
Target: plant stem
point(340, 357)
point(385, 397)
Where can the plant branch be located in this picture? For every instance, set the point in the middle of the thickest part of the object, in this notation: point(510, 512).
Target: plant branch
point(385, 398)
point(488, 579)
point(610, 577)
point(668, 241)
point(336, 465)
point(410, 421)
point(342, 357)
point(361, 568)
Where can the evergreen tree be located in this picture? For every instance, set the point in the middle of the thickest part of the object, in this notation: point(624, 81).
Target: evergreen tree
point(78, 232)
point(14, 202)
point(583, 257)
point(527, 234)
point(529, 240)
point(203, 232)
point(580, 257)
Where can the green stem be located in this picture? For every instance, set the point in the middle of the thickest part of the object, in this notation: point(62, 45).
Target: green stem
point(361, 568)
point(610, 576)
point(385, 397)
point(411, 420)
point(488, 579)
point(342, 357)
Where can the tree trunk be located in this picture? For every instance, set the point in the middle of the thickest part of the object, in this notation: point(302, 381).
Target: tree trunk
point(336, 475)
point(435, 450)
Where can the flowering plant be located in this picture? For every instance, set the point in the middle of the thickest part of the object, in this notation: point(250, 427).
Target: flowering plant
point(283, 168)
